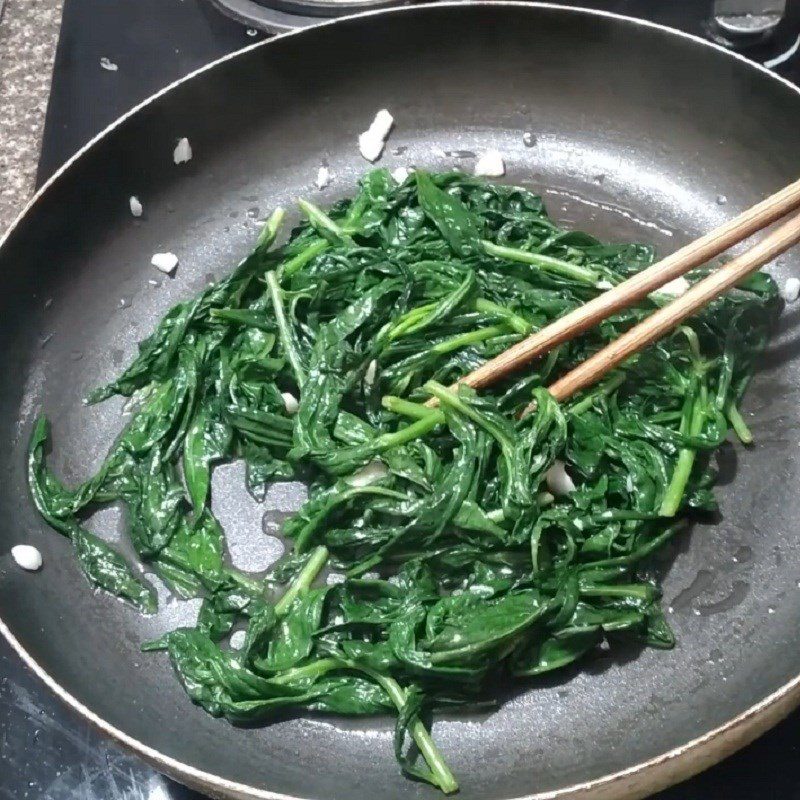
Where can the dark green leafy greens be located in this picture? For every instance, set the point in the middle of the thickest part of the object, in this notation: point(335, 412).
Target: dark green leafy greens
point(464, 555)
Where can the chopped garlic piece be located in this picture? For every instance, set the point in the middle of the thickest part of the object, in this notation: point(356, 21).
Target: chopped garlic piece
point(372, 472)
point(558, 481)
point(323, 177)
point(401, 174)
point(107, 63)
point(791, 290)
point(373, 140)
point(290, 402)
point(238, 639)
point(604, 284)
point(166, 262)
point(27, 556)
point(369, 375)
point(675, 287)
point(490, 165)
point(136, 207)
point(182, 152)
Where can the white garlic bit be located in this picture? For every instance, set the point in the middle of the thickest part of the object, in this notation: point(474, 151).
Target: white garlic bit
point(558, 481)
point(401, 174)
point(373, 140)
point(323, 177)
point(137, 209)
point(182, 152)
point(372, 472)
point(490, 165)
point(166, 262)
point(675, 287)
point(27, 556)
point(290, 402)
point(791, 290)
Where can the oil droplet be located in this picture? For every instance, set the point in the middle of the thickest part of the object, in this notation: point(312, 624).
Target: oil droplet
point(125, 302)
point(252, 32)
point(45, 340)
point(528, 139)
point(721, 199)
point(770, 610)
point(743, 554)
point(48, 302)
point(76, 355)
point(153, 282)
point(253, 212)
point(738, 593)
point(702, 582)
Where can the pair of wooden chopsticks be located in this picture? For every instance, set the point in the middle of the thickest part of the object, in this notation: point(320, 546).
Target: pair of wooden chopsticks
point(664, 319)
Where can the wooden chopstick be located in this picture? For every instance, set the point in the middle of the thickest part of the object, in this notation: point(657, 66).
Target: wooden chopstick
point(626, 293)
point(669, 316)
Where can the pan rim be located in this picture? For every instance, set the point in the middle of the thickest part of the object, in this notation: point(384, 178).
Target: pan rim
point(658, 772)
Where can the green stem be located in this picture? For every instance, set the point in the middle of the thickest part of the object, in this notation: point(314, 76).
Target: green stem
point(388, 440)
point(310, 671)
point(639, 591)
point(605, 389)
point(243, 317)
point(321, 222)
point(357, 208)
point(517, 323)
point(547, 263)
point(471, 337)
point(409, 319)
point(270, 229)
point(297, 262)
point(691, 425)
point(640, 553)
point(316, 561)
point(284, 330)
point(310, 528)
point(442, 775)
point(738, 424)
point(408, 409)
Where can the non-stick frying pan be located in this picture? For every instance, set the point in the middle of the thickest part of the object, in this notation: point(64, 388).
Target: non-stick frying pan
point(639, 133)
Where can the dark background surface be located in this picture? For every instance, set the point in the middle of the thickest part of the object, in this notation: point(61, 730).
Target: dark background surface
point(46, 752)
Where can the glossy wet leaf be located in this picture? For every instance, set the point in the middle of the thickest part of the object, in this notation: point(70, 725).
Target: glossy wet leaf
point(459, 554)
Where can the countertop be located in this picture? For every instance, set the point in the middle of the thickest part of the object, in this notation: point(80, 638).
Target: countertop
point(28, 37)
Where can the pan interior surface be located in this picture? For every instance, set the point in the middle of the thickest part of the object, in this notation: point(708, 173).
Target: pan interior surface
point(636, 134)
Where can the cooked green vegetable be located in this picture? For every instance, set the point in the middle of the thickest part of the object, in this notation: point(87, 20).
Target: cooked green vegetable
point(473, 543)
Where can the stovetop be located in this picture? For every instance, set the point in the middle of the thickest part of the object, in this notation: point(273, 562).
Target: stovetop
point(47, 753)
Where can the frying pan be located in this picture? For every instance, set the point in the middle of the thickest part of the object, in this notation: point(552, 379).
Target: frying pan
point(639, 133)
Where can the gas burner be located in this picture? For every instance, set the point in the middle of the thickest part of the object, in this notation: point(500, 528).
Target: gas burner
point(278, 16)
